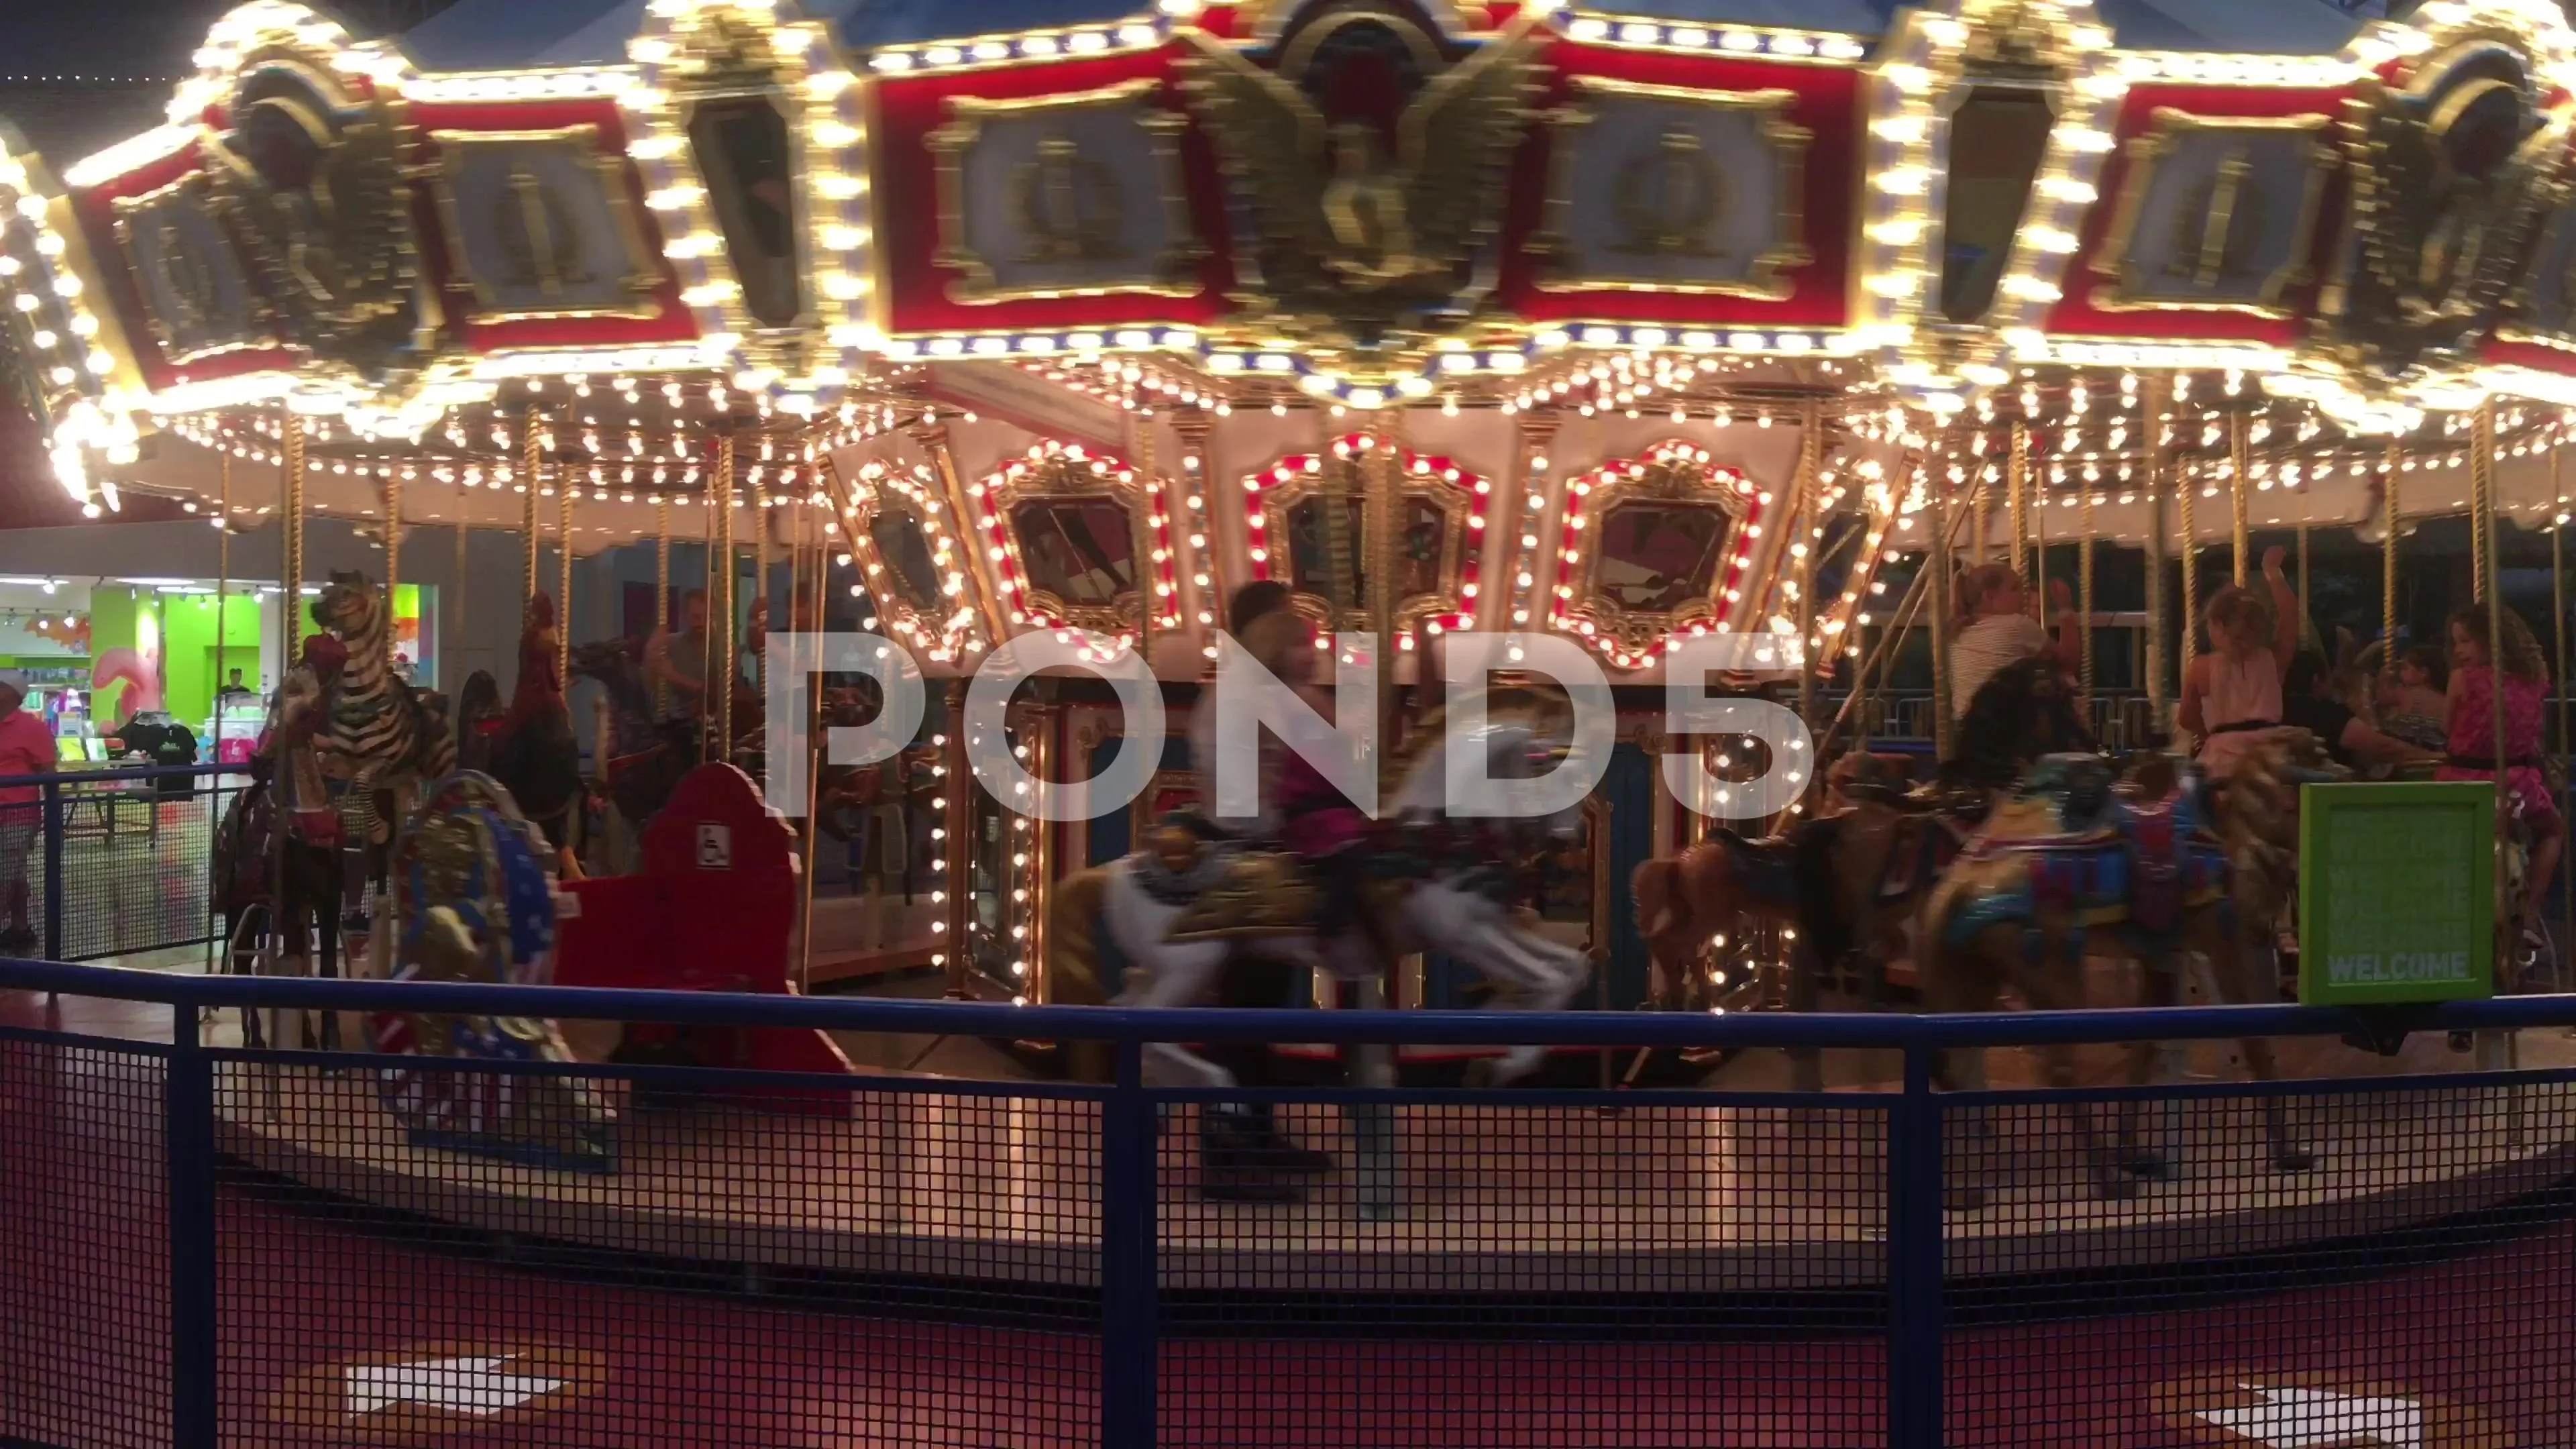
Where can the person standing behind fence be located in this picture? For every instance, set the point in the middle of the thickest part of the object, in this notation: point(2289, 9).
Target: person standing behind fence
point(26, 748)
point(677, 663)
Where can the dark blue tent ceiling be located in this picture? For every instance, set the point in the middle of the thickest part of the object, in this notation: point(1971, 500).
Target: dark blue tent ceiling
point(495, 33)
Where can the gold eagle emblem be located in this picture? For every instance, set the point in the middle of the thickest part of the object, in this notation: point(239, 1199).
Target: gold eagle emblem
point(1367, 239)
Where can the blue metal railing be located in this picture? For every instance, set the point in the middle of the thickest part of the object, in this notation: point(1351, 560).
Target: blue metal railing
point(1129, 1113)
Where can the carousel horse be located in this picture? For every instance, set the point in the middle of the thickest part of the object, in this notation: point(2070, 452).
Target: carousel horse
point(472, 903)
point(1850, 882)
point(2067, 865)
point(1191, 909)
point(385, 737)
point(277, 850)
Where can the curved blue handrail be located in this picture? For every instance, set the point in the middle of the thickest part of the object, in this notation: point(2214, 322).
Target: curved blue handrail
point(1836, 1030)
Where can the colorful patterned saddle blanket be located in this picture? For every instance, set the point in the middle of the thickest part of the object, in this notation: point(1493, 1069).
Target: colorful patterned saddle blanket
point(2065, 846)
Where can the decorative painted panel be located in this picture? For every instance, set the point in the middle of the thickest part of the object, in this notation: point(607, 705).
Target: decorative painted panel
point(1660, 188)
point(538, 224)
point(2219, 213)
point(1064, 196)
point(192, 281)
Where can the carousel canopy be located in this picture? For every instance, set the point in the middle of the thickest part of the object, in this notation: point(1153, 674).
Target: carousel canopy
point(1632, 325)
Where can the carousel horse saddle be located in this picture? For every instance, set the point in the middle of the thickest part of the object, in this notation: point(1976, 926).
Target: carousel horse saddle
point(1254, 894)
point(1767, 868)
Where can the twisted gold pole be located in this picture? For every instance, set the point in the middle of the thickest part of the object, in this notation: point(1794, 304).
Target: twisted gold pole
point(563, 600)
point(661, 592)
point(2017, 481)
point(2084, 583)
point(720, 581)
point(1937, 479)
point(535, 449)
point(1811, 497)
point(2188, 491)
point(223, 575)
point(291, 536)
point(2388, 562)
point(2240, 478)
point(2159, 483)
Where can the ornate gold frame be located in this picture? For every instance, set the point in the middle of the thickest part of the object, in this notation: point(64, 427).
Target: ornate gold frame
point(2168, 124)
point(1675, 480)
point(1455, 501)
point(921, 498)
point(1789, 143)
point(194, 184)
point(643, 276)
point(1062, 476)
point(949, 144)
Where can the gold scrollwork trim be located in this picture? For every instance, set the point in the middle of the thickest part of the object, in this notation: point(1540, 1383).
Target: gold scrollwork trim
point(643, 277)
point(1788, 140)
point(1456, 503)
point(2149, 152)
point(1173, 274)
point(1060, 476)
point(190, 187)
point(1674, 480)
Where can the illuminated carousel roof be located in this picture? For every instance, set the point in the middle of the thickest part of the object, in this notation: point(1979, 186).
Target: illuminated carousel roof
point(1090, 310)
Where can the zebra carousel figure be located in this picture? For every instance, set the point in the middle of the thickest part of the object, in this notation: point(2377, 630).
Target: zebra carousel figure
point(385, 739)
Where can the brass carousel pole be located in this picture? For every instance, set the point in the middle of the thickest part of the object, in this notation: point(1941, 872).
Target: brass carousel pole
point(290, 593)
point(2084, 585)
point(958, 869)
point(2187, 494)
point(1373, 1065)
point(2482, 505)
point(463, 536)
point(721, 662)
point(393, 492)
point(1981, 510)
point(563, 593)
point(661, 592)
point(1149, 604)
point(2017, 480)
point(534, 447)
point(2239, 480)
point(1811, 498)
point(2558, 674)
point(801, 524)
point(223, 578)
point(1939, 490)
point(2157, 486)
point(2304, 613)
point(2388, 563)
point(760, 573)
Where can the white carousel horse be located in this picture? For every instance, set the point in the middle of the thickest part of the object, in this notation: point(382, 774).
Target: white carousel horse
point(1141, 899)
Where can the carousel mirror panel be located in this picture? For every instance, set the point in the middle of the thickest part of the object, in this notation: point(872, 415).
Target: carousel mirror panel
point(1668, 541)
point(1676, 190)
point(2217, 213)
point(915, 569)
point(538, 223)
point(748, 157)
point(1438, 523)
point(1072, 527)
point(1060, 196)
point(1998, 136)
point(194, 287)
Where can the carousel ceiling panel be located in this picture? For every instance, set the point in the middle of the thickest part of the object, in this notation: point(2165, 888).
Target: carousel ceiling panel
point(2216, 213)
point(991, 222)
point(1688, 190)
point(541, 224)
point(1065, 196)
point(1010, 393)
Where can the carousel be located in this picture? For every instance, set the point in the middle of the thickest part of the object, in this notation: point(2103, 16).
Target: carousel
point(1513, 318)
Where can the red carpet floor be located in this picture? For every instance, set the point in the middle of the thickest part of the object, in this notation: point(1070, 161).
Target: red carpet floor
point(321, 1313)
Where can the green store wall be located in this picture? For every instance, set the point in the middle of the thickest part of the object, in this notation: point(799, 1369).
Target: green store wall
point(188, 635)
point(115, 621)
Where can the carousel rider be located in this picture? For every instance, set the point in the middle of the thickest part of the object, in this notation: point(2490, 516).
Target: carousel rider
point(1244, 1155)
point(537, 734)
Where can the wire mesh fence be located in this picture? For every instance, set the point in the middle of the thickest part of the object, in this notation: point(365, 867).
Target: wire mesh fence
point(85, 1315)
point(350, 1248)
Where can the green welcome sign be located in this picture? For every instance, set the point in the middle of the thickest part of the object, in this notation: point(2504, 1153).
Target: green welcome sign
point(2396, 893)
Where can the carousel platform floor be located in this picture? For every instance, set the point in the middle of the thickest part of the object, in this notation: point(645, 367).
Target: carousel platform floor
point(1498, 1198)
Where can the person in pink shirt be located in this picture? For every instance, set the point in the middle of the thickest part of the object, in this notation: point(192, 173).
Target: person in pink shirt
point(26, 748)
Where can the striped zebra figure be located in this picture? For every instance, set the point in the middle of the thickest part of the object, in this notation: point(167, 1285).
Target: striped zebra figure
point(389, 738)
